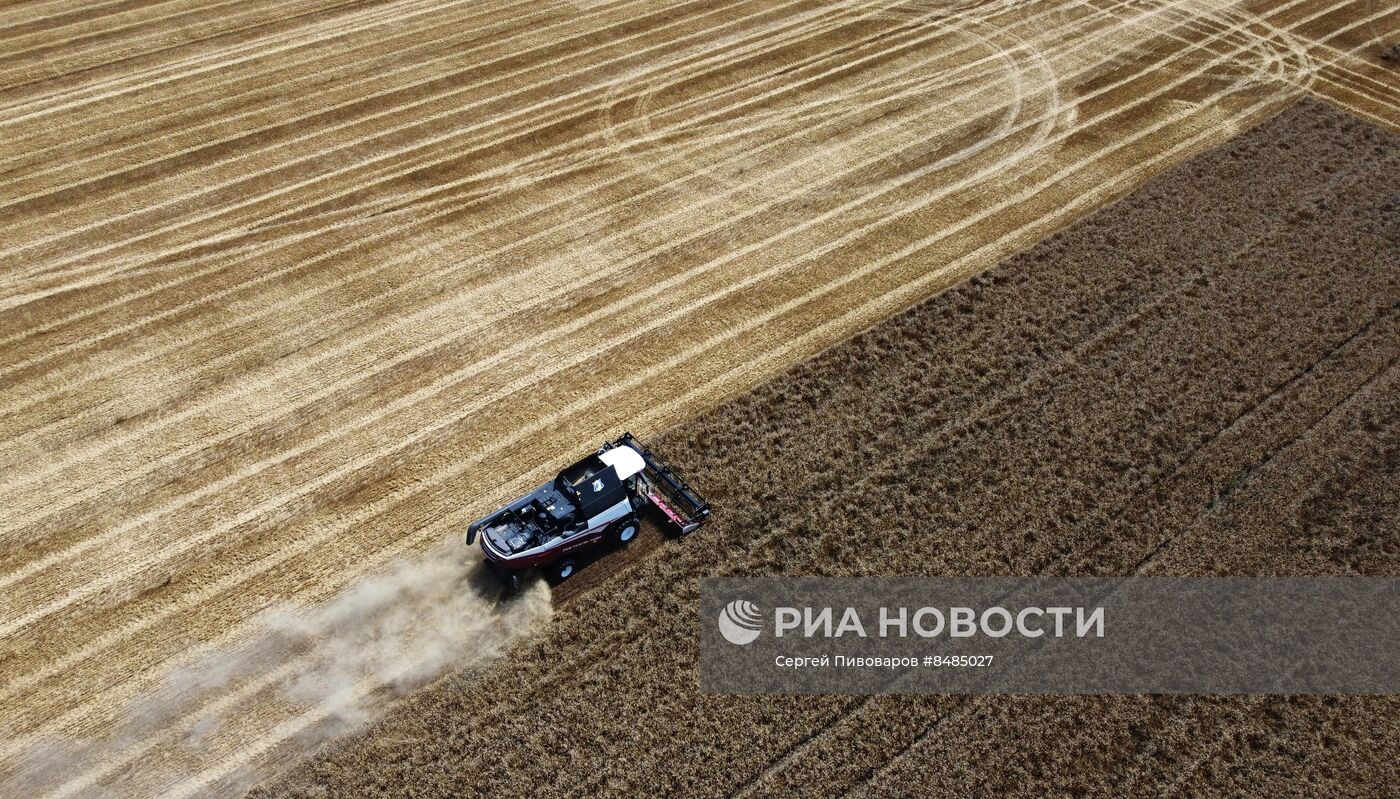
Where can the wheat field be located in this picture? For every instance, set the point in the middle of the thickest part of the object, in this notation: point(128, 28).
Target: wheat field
point(1200, 379)
point(291, 291)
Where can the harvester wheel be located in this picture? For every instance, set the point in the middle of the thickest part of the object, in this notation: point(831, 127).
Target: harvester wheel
point(624, 531)
point(563, 570)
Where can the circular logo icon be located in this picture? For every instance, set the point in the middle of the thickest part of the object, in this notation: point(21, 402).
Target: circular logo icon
point(740, 622)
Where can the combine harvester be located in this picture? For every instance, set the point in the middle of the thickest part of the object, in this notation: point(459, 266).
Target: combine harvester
point(592, 502)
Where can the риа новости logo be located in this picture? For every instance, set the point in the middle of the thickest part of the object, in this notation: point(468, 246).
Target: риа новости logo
point(740, 622)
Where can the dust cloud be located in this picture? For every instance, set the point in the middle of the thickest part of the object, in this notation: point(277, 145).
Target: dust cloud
point(231, 716)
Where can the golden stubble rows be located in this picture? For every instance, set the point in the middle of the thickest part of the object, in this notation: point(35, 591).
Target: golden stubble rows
point(284, 305)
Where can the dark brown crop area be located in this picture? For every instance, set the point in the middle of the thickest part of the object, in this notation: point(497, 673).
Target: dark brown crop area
point(1200, 379)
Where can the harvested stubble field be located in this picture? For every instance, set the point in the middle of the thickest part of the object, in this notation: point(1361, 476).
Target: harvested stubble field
point(1201, 379)
point(293, 290)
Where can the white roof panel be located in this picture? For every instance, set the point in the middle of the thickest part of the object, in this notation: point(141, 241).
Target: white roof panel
point(626, 460)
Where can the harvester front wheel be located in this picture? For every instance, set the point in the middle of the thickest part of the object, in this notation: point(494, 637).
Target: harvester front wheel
point(625, 530)
point(563, 570)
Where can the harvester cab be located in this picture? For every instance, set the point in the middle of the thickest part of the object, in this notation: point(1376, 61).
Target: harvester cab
point(594, 501)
